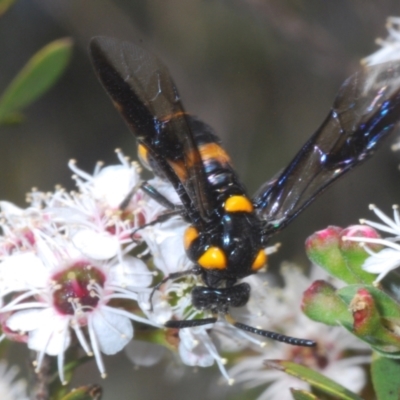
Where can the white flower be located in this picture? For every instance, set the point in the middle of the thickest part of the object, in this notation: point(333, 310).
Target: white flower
point(101, 217)
point(112, 185)
point(108, 207)
point(11, 389)
point(65, 259)
point(192, 349)
point(58, 289)
point(20, 227)
point(390, 47)
point(388, 259)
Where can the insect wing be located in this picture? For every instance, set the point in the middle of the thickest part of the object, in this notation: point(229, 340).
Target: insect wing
point(143, 92)
point(364, 112)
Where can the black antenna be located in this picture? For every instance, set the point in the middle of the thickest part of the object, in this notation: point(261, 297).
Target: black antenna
point(276, 336)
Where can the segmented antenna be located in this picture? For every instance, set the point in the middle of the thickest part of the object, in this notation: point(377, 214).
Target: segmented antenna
point(276, 336)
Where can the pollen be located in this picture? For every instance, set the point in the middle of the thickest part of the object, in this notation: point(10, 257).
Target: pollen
point(213, 258)
point(238, 204)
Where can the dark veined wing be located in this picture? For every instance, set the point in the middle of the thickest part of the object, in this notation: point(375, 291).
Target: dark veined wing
point(364, 112)
point(143, 92)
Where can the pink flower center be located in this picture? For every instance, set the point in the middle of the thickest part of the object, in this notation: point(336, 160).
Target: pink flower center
point(77, 288)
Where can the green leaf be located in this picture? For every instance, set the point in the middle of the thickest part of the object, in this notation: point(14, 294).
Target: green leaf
point(388, 354)
point(315, 379)
point(14, 118)
point(91, 392)
point(5, 5)
point(303, 395)
point(38, 75)
point(386, 377)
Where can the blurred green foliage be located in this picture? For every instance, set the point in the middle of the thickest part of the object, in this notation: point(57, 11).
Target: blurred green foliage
point(39, 75)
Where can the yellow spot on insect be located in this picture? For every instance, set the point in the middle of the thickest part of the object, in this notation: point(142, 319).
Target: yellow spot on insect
point(213, 258)
point(213, 151)
point(190, 235)
point(143, 154)
point(260, 261)
point(238, 204)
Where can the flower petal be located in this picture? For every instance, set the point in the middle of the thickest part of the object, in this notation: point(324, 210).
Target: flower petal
point(114, 183)
point(113, 331)
point(382, 262)
point(52, 334)
point(131, 272)
point(166, 245)
point(22, 272)
point(99, 246)
point(25, 320)
point(192, 351)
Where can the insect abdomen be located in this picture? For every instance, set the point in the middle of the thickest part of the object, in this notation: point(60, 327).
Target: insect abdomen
point(221, 176)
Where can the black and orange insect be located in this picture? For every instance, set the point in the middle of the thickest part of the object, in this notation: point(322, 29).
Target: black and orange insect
point(228, 230)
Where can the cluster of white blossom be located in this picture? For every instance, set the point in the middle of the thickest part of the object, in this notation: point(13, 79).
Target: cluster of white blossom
point(67, 264)
point(70, 273)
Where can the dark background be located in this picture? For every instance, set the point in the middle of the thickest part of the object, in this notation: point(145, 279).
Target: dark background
point(262, 73)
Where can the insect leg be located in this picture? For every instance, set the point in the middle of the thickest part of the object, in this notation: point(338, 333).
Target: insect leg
point(173, 209)
point(161, 218)
point(152, 192)
point(125, 202)
point(189, 323)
